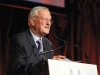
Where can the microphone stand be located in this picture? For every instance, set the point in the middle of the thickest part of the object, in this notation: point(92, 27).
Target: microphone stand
point(87, 58)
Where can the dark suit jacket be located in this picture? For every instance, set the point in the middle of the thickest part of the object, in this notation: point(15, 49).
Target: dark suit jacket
point(23, 52)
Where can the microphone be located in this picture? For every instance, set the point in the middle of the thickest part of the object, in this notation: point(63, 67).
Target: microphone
point(44, 52)
point(87, 58)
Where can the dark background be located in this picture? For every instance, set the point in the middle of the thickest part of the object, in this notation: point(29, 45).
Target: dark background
point(78, 23)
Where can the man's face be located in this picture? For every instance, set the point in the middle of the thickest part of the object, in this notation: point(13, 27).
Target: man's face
point(42, 23)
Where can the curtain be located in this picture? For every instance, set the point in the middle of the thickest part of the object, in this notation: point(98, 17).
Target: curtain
point(82, 32)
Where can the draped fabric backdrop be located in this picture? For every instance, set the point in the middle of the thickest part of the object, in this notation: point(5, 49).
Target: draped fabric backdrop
point(80, 28)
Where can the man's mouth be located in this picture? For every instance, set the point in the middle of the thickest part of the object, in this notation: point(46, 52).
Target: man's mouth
point(46, 27)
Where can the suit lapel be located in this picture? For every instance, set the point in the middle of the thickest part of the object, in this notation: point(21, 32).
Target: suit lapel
point(32, 45)
point(45, 47)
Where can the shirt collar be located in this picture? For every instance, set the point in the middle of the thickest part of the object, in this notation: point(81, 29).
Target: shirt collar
point(35, 37)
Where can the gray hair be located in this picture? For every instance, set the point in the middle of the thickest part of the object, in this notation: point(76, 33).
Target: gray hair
point(35, 10)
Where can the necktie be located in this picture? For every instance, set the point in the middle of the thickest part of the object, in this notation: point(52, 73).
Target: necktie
point(40, 46)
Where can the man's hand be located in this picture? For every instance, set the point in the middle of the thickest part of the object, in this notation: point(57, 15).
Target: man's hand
point(58, 57)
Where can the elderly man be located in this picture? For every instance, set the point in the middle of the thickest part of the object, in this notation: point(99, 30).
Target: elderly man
point(26, 45)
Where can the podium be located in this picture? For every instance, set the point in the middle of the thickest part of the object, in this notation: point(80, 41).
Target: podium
point(59, 67)
point(40, 68)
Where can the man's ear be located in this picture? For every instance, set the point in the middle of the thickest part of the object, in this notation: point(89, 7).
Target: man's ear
point(32, 21)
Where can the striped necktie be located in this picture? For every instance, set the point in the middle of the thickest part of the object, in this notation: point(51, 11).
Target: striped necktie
point(40, 46)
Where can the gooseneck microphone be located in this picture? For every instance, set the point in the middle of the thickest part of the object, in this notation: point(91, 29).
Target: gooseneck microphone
point(87, 58)
point(44, 52)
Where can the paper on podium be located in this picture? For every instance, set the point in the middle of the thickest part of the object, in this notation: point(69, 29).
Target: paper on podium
point(66, 59)
point(59, 67)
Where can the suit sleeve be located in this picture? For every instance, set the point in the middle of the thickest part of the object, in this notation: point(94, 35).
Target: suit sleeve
point(17, 52)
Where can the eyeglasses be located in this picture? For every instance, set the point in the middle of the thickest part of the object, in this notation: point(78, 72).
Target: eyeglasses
point(51, 21)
